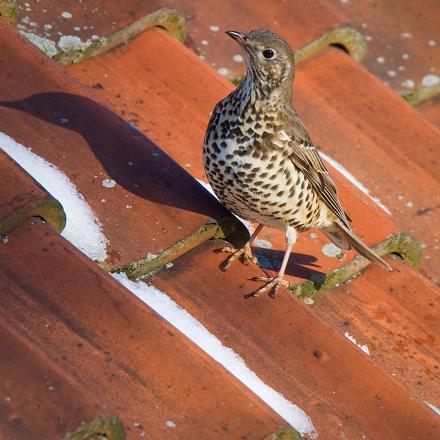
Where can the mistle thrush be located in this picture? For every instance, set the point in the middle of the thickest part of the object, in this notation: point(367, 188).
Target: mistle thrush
point(261, 162)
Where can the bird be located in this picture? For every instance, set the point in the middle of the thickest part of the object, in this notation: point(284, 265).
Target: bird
point(262, 164)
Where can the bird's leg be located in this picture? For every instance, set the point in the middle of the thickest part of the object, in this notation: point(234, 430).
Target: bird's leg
point(244, 254)
point(272, 284)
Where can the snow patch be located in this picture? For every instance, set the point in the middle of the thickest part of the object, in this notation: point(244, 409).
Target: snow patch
point(44, 44)
point(69, 43)
point(430, 80)
point(433, 407)
point(351, 338)
point(330, 250)
point(223, 71)
point(108, 183)
point(67, 15)
point(354, 181)
point(83, 228)
point(225, 356)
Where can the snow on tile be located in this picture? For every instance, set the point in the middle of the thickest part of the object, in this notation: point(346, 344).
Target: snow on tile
point(225, 356)
point(354, 181)
point(351, 338)
point(330, 250)
point(83, 228)
point(433, 407)
point(430, 80)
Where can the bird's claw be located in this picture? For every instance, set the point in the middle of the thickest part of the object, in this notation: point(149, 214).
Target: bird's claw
point(271, 286)
point(244, 255)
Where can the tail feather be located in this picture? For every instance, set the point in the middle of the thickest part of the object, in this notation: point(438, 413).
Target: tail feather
point(345, 238)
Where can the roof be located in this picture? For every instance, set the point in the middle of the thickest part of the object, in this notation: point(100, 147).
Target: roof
point(124, 130)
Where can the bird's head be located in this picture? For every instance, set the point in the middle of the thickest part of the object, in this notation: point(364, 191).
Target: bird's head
point(269, 59)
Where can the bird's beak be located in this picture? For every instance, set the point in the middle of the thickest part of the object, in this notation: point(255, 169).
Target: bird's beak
point(238, 37)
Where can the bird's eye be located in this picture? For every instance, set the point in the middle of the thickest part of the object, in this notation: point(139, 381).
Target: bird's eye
point(268, 53)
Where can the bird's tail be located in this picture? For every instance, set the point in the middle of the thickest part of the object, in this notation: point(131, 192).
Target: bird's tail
point(343, 237)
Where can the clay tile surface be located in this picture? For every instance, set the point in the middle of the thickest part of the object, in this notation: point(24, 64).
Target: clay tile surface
point(157, 59)
point(32, 385)
point(100, 338)
point(361, 360)
point(206, 21)
point(144, 200)
point(431, 111)
point(380, 138)
point(403, 38)
point(21, 197)
point(292, 348)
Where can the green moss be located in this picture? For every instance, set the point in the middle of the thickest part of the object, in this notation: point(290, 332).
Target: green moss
point(109, 427)
point(346, 36)
point(9, 10)
point(150, 265)
point(288, 434)
point(400, 244)
point(421, 94)
point(49, 209)
point(168, 18)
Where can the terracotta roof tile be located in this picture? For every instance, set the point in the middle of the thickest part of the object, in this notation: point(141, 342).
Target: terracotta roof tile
point(402, 36)
point(153, 202)
point(38, 400)
point(122, 352)
point(431, 111)
point(156, 63)
point(21, 197)
point(134, 363)
point(380, 138)
point(291, 347)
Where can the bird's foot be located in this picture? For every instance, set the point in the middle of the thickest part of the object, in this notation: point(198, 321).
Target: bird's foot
point(244, 255)
point(271, 286)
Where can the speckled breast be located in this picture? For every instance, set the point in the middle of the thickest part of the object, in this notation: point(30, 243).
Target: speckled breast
point(253, 176)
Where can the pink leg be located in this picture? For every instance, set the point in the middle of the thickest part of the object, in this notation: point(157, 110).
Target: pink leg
point(273, 284)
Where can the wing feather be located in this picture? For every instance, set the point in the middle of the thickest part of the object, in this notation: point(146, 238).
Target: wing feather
point(306, 157)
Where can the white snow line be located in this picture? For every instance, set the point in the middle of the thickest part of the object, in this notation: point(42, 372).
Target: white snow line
point(433, 407)
point(210, 344)
point(83, 228)
point(351, 338)
point(354, 181)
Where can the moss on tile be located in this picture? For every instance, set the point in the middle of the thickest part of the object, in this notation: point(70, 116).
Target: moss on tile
point(421, 94)
point(168, 18)
point(400, 244)
point(288, 434)
point(149, 265)
point(48, 209)
point(109, 427)
point(346, 37)
point(9, 10)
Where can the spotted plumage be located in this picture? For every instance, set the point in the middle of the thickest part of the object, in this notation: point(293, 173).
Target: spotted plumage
point(261, 162)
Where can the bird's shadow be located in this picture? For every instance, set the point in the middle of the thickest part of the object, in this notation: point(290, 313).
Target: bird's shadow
point(128, 156)
point(298, 265)
point(135, 162)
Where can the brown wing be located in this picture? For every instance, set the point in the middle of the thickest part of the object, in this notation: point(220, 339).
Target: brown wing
point(306, 157)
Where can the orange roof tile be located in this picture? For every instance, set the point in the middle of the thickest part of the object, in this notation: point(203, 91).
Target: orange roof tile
point(129, 356)
point(296, 352)
point(157, 202)
point(154, 63)
point(402, 36)
point(99, 335)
